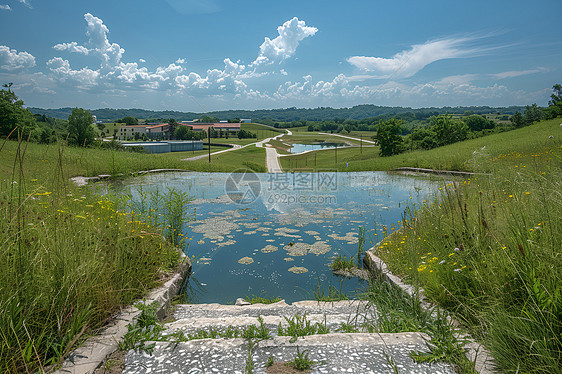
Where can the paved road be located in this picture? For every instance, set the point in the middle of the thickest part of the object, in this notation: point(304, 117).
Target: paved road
point(234, 146)
point(349, 137)
point(272, 160)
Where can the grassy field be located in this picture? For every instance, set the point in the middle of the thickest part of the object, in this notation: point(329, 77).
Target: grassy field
point(471, 155)
point(262, 131)
point(488, 248)
point(70, 260)
point(250, 157)
point(41, 160)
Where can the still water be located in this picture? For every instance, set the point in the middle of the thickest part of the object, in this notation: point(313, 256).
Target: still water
point(273, 235)
point(300, 148)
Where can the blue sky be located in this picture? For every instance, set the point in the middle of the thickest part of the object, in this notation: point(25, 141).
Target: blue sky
point(204, 55)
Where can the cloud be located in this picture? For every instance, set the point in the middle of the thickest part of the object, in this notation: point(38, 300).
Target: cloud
point(449, 91)
point(10, 59)
point(216, 81)
point(72, 47)
point(517, 73)
point(110, 54)
point(407, 63)
point(61, 68)
point(115, 73)
point(194, 6)
point(26, 3)
point(5, 7)
point(284, 46)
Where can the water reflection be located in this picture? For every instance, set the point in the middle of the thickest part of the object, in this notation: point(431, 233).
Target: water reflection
point(281, 243)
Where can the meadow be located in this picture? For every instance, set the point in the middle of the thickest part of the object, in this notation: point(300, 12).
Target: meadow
point(472, 155)
point(488, 248)
point(69, 260)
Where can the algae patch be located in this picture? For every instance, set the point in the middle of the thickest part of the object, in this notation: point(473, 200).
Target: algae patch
point(246, 260)
point(298, 270)
point(269, 248)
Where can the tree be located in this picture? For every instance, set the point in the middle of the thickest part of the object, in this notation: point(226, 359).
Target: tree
point(80, 128)
point(184, 133)
point(478, 123)
point(556, 97)
point(517, 119)
point(209, 119)
point(532, 114)
point(448, 130)
point(555, 104)
point(13, 114)
point(388, 137)
point(129, 120)
point(172, 124)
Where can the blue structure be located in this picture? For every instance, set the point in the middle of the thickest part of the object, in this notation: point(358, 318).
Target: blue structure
point(169, 146)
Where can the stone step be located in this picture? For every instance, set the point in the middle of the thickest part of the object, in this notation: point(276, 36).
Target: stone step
point(334, 353)
point(281, 308)
point(192, 317)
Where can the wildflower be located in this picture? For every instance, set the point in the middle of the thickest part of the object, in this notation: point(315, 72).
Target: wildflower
point(442, 262)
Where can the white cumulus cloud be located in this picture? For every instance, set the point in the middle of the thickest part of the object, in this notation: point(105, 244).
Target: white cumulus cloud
point(10, 59)
point(407, 63)
point(98, 44)
point(61, 68)
point(5, 7)
point(284, 46)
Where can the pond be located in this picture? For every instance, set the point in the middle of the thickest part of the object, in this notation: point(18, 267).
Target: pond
point(300, 148)
point(274, 235)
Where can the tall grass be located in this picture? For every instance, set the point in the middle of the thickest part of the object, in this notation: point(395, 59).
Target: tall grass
point(68, 261)
point(488, 248)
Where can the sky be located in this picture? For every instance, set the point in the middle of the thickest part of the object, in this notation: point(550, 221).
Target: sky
point(207, 55)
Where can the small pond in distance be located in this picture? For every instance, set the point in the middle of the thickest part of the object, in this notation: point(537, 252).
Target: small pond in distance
point(300, 148)
point(281, 238)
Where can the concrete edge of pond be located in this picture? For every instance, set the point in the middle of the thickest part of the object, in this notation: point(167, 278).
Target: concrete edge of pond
point(94, 351)
point(476, 352)
point(438, 172)
point(83, 181)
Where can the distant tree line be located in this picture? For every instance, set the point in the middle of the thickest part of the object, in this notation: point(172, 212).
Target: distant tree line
point(444, 129)
point(287, 115)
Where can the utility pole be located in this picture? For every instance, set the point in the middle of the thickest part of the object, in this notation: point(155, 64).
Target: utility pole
point(336, 153)
point(209, 136)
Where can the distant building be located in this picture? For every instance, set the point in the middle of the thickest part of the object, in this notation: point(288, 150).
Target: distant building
point(169, 146)
point(157, 131)
point(128, 132)
point(245, 120)
point(150, 130)
point(225, 127)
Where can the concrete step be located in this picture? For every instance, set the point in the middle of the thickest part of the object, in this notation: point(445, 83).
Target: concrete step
point(279, 309)
point(334, 353)
point(191, 317)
